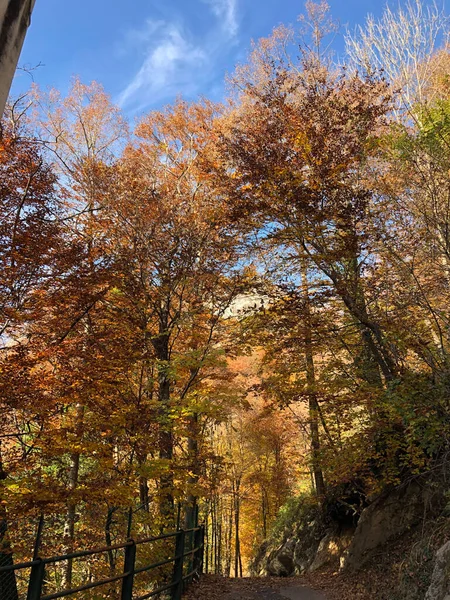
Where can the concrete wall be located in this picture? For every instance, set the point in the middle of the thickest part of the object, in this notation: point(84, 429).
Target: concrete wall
point(15, 16)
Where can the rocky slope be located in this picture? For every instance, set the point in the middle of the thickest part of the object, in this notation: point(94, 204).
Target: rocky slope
point(408, 517)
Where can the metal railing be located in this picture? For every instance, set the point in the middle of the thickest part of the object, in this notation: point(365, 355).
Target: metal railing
point(186, 560)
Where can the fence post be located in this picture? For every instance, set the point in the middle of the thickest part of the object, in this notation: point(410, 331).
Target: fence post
point(128, 567)
point(177, 578)
point(37, 571)
point(202, 550)
point(37, 543)
point(36, 580)
point(195, 557)
point(198, 554)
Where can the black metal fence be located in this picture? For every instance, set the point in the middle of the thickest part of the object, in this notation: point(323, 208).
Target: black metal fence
point(180, 561)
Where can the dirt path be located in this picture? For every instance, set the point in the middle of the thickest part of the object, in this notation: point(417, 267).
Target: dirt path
point(220, 588)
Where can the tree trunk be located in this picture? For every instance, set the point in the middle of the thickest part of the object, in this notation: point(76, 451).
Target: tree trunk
point(144, 500)
point(264, 510)
point(166, 483)
point(108, 540)
point(206, 539)
point(319, 482)
point(215, 537)
point(237, 540)
point(192, 448)
point(165, 442)
point(69, 524)
point(219, 537)
point(229, 538)
point(348, 288)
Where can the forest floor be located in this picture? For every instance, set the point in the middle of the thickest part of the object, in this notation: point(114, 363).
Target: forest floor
point(318, 586)
point(213, 587)
point(329, 585)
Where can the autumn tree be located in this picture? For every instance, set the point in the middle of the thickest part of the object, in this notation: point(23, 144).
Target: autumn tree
point(32, 256)
point(410, 65)
point(175, 255)
point(298, 145)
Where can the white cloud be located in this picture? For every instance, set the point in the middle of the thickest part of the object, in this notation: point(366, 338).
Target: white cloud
point(226, 12)
point(169, 60)
point(174, 61)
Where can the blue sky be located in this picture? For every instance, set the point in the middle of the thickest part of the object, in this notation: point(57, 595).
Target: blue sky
point(146, 52)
